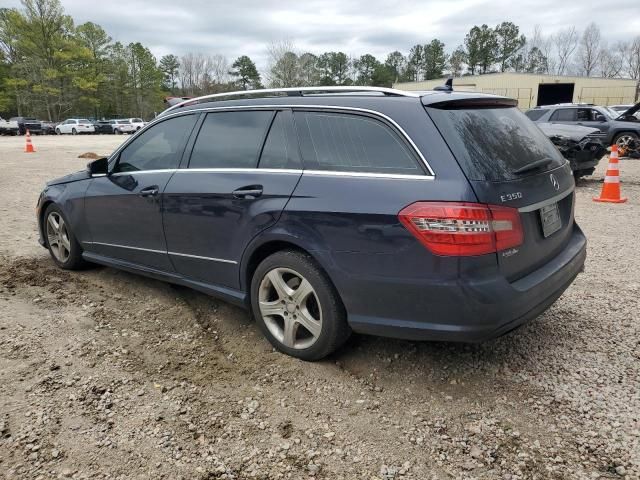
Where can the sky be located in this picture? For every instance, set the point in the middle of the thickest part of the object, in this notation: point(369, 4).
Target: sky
point(247, 27)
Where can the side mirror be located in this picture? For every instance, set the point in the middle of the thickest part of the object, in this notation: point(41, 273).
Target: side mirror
point(98, 167)
point(600, 118)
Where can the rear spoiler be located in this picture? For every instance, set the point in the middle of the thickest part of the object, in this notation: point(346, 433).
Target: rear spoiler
point(471, 101)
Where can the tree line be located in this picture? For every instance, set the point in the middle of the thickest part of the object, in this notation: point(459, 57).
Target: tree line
point(51, 68)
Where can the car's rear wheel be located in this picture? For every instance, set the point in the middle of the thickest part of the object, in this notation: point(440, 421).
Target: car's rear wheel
point(62, 244)
point(623, 139)
point(297, 307)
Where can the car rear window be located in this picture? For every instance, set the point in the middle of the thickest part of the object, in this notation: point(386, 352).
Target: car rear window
point(535, 114)
point(84, 122)
point(491, 144)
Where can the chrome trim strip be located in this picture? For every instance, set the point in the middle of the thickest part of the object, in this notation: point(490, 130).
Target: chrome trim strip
point(136, 172)
point(375, 113)
point(241, 170)
point(222, 260)
point(125, 246)
point(335, 173)
point(263, 93)
point(548, 201)
point(320, 173)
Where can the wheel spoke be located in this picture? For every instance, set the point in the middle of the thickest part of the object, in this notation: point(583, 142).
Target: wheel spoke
point(52, 221)
point(282, 289)
point(52, 239)
point(272, 308)
point(290, 329)
point(65, 242)
point(302, 292)
point(305, 319)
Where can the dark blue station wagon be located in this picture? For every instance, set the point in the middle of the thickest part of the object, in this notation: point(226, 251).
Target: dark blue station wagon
point(426, 216)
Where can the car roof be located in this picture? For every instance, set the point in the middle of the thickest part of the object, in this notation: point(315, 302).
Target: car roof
point(379, 99)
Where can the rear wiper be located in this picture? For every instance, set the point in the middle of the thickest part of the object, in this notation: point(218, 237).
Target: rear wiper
point(533, 165)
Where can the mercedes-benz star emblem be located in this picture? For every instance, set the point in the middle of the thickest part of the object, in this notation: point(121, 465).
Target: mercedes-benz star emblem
point(554, 181)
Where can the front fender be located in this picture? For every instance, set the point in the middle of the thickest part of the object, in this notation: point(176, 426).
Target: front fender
point(69, 197)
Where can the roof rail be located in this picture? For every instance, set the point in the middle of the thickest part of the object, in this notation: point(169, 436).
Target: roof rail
point(293, 92)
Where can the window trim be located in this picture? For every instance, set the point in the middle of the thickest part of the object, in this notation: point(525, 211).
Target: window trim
point(430, 175)
point(291, 138)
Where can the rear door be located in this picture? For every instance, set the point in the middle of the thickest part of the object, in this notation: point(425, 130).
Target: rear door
point(243, 168)
point(510, 162)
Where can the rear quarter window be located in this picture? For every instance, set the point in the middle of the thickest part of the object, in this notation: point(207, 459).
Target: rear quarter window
point(535, 114)
point(490, 144)
point(353, 143)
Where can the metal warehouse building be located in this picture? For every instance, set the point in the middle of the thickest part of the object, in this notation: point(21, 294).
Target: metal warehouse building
point(532, 89)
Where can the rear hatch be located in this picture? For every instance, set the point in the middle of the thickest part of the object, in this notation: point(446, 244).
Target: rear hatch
point(510, 162)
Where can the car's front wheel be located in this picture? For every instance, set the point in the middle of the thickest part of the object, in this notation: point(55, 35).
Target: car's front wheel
point(58, 132)
point(74, 131)
point(625, 138)
point(62, 244)
point(297, 307)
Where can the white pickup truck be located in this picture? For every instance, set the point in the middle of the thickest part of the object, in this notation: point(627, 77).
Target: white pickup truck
point(8, 127)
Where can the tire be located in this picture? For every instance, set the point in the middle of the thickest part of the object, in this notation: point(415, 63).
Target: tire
point(74, 131)
point(58, 132)
point(622, 139)
point(117, 132)
point(310, 325)
point(65, 254)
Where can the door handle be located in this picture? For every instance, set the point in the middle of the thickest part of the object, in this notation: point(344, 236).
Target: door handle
point(150, 191)
point(249, 192)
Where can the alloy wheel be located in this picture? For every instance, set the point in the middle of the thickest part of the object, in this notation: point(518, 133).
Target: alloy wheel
point(290, 308)
point(58, 237)
point(623, 140)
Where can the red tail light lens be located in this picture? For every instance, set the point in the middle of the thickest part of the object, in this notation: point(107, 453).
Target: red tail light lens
point(463, 229)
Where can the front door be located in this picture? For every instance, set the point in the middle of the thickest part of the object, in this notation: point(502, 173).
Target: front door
point(124, 209)
point(237, 183)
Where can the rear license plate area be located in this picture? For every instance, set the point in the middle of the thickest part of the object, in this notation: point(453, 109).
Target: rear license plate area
point(550, 219)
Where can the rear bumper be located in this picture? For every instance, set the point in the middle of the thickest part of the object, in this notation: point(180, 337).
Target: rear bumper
point(474, 310)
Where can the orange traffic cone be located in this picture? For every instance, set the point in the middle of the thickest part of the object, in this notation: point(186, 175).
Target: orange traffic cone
point(28, 148)
point(611, 187)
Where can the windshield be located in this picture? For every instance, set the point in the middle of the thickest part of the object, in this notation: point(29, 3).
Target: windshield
point(494, 144)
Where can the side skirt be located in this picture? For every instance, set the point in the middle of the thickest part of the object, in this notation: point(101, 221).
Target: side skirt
point(230, 295)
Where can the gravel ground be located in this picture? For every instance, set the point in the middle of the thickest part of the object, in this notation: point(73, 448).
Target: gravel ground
point(104, 374)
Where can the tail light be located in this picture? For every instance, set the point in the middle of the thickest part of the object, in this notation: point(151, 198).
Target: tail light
point(463, 229)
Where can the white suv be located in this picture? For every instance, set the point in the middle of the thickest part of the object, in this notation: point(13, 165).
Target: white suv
point(123, 125)
point(75, 126)
point(138, 123)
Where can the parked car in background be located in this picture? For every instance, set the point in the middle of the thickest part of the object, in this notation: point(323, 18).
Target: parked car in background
point(580, 145)
point(25, 123)
point(113, 126)
point(138, 123)
point(123, 125)
point(75, 126)
point(48, 128)
point(8, 127)
point(418, 215)
point(614, 127)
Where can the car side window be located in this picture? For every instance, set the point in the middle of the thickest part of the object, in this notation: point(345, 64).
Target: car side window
point(353, 143)
point(564, 115)
point(158, 148)
point(230, 139)
point(279, 148)
point(535, 114)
